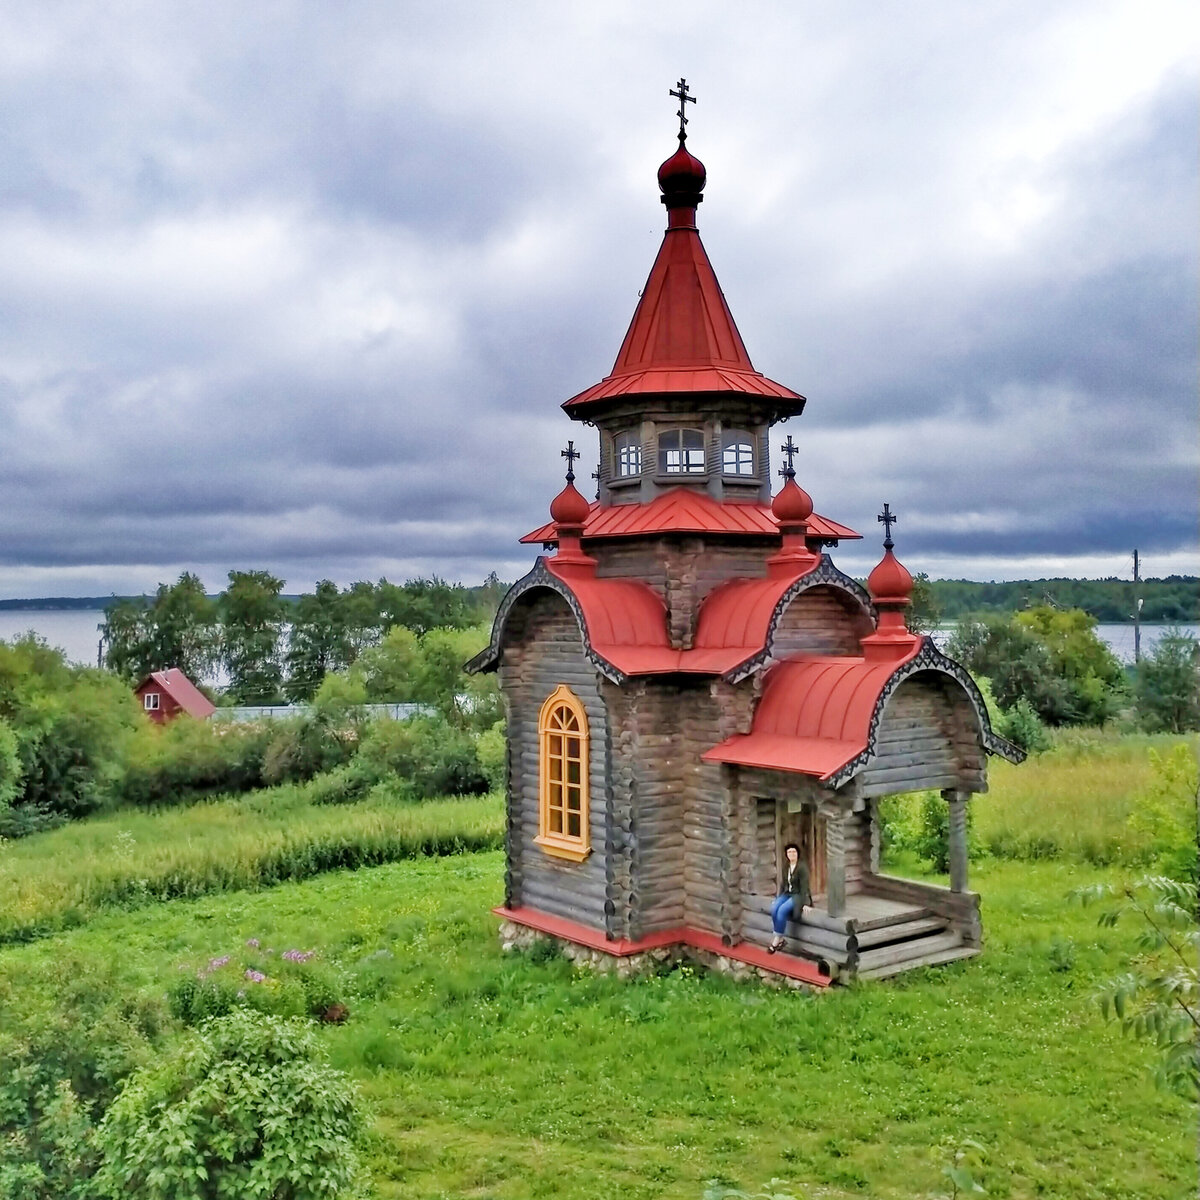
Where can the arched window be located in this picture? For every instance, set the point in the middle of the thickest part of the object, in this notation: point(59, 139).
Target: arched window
point(737, 453)
point(681, 452)
point(563, 782)
point(627, 451)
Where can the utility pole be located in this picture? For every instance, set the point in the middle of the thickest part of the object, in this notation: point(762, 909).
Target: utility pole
point(1137, 612)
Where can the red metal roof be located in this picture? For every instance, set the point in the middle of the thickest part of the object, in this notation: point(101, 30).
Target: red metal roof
point(814, 715)
point(682, 338)
point(684, 510)
point(181, 689)
point(737, 614)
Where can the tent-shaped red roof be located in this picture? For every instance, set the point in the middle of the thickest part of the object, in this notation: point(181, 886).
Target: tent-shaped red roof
point(183, 691)
point(683, 340)
point(685, 510)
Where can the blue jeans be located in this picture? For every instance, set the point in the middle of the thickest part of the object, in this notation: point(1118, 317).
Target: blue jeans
point(782, 908)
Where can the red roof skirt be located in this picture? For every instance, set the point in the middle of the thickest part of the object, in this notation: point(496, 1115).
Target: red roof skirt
point(683, 510)
point(683, 339)
point(814, 715)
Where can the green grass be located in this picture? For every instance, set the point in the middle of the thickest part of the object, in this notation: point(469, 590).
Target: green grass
point(1073, 801)
point(505, 1077)
point(131, 858)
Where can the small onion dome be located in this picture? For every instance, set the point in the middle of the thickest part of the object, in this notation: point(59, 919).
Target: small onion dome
point(681, 178)
point(569, 507)
point(890, 582)
point(793, 505)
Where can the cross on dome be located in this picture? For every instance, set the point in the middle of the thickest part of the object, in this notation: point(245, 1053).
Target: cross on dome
point(570, 454)
point(789, 448)
point(888, 518)
point(684, 100)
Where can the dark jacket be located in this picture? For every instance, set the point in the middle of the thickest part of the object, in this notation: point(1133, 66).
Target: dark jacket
point(794, 883)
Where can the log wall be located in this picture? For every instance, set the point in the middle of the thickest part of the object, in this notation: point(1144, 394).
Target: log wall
point(544, 649)
point(822, 620)
point(928, 737)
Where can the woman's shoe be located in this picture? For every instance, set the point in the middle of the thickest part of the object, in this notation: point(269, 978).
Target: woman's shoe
point(776, 944)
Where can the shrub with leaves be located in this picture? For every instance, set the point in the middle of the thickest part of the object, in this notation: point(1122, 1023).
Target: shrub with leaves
point(62, 1062)
point(1158, 1000)
point(248, 1106)
point(427, 754)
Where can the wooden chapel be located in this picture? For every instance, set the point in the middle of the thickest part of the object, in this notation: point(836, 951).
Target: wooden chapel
point(690, 683)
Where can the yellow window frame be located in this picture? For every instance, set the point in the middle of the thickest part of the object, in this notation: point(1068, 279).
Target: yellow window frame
point(563, 799)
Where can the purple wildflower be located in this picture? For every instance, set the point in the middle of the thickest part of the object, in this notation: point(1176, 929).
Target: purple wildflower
point(216, 963)
point(255, 976)
point(298, 956)
point(252, 943)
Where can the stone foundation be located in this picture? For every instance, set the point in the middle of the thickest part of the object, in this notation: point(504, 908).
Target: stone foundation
point(514, 937)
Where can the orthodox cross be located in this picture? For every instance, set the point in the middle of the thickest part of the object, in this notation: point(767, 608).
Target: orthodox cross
point(570, 454)
point(596, 477)
point(684, 100)
point(889, 519)
point(789, 448)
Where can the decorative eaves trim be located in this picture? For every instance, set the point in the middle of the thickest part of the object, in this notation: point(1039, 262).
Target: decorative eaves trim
point(825, 574)
point(540, 576)
point(928, 658)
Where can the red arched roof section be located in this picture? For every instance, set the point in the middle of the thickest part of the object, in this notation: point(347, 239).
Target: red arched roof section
point(683, 338)
point(739, 613)
point(682, 510)
point(814, 715)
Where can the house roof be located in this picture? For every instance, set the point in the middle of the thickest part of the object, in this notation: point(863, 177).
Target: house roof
point(683, 339)
point(624, 622)
point(684, 510)
point(818, 713)
point(182, 690)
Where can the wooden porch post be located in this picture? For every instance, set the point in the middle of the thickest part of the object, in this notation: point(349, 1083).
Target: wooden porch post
point(835, 862)
point(958, 838)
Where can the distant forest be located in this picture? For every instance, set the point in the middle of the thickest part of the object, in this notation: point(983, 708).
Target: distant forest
point(1173, 599)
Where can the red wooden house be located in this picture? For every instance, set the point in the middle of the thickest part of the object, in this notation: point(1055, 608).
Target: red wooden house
point(691, 684)
point(165, 694)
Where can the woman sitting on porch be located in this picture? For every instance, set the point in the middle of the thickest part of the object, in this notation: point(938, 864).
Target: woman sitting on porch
point(794, 895)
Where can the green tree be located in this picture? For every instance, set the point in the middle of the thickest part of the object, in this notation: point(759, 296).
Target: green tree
point(924, 612)
point(1077, 654)
point(318, 641)
point(1167, 685)
point(389, 671)
point(424, 604)
point(252, 619)
point(178, 628)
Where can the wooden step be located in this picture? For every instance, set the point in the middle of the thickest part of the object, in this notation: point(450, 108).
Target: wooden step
point(903, 952)
point(916, 913)
point(898, 933)
point(930, 960)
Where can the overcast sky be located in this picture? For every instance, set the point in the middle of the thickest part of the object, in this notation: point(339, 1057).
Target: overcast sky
point(301, 286)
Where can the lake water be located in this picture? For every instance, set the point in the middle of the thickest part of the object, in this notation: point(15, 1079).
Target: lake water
point(75, 632)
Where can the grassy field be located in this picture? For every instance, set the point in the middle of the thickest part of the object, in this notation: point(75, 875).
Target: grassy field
point(1073, 801)
point(132, 857)
point(510, 1077)
point(504, 1077)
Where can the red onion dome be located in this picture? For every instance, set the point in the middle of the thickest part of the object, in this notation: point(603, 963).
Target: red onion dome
point(681, 178)
point(569, 507)
point(890, 582)
point(793, 505)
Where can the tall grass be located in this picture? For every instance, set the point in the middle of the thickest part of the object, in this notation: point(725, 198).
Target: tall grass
point(1072, 801)
point(58, 879)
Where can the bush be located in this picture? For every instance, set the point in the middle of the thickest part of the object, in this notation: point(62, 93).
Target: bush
point(303, 747)
point(427, 755)
point(1167, 685)
point(62, 1062)
point(1023, 727)
point(185, 759)
point(492, 749)
point(1164, 816)
point(70, 726)
point(246, 1107)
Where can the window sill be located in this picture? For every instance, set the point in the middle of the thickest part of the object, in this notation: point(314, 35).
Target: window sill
point(681, 477)
point(561, 848)
point(624, 481)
